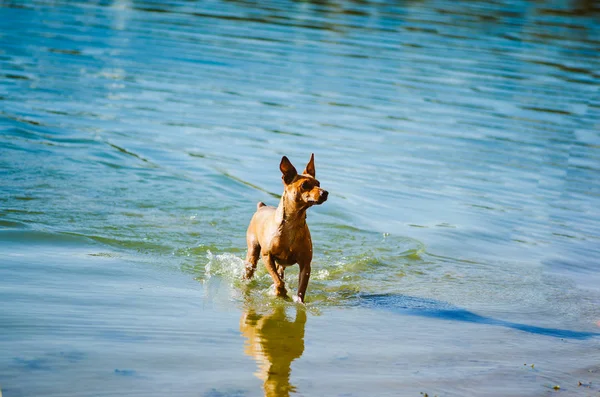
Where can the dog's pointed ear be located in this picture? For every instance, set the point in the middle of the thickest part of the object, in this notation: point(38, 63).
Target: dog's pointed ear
point(288, 170)
point(310, 167)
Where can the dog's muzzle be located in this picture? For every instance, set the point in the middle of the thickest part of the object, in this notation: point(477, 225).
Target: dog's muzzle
point(322, 196)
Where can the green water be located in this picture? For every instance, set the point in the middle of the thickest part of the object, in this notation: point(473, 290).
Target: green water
point(459, 245)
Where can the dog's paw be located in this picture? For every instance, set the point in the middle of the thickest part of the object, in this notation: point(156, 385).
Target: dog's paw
point(297, 299)
point(274, 291)
point(281, 292)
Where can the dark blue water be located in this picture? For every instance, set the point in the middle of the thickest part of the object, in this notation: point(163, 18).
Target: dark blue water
point(459, 141)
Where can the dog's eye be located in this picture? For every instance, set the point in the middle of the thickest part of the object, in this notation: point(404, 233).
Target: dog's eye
point(306, 186)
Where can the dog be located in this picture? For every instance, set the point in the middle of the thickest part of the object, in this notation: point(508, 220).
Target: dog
point(280, 236)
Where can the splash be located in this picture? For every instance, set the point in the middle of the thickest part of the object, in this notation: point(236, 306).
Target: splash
point(224, 265)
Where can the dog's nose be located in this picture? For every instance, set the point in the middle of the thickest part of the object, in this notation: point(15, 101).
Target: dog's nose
point(324, 194)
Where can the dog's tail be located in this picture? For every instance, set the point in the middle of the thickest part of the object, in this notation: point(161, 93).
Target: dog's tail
point(260, 205)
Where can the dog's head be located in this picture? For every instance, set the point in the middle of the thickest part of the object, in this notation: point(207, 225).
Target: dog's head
point(304, 188)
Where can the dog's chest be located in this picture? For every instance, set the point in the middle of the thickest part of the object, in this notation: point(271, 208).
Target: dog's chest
point(285, 258)
point(289, 246)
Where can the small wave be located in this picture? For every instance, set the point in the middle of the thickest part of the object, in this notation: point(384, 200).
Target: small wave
point(6, 224)
point(14, 234)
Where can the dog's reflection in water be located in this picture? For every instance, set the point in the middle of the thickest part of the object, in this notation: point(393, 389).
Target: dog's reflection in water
point(274, 342)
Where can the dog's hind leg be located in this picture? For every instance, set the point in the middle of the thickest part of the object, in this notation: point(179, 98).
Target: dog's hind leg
point(280, 271)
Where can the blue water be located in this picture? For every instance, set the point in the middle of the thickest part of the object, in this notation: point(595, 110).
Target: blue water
point(460, 144)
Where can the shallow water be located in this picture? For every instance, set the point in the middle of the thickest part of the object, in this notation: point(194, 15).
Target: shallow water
point(457, 253)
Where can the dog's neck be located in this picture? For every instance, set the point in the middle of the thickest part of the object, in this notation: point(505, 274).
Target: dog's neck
point(289, 213)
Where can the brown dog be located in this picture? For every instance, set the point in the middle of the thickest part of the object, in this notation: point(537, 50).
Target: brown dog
point(280, 235)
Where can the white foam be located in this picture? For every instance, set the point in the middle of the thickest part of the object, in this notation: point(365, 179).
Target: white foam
point(224, 265)
point(322, 274)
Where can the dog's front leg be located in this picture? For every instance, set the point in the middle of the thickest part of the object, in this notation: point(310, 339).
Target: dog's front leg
point(272, 268)
point(303, 277)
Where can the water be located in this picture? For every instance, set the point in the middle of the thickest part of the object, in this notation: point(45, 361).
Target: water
point(457, 253)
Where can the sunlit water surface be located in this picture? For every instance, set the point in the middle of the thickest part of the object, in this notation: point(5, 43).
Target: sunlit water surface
point(457, 254)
